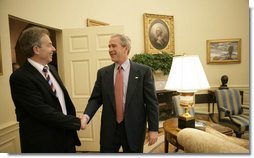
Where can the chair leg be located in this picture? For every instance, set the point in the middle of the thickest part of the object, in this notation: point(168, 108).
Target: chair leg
point(238, 134)
point(211, 116)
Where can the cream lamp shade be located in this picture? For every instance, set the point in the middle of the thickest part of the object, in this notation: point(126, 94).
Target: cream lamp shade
point(187, 75)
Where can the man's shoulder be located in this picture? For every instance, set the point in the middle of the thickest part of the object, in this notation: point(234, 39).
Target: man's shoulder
point(107, 67)
point(140, 66)
point(21, 74)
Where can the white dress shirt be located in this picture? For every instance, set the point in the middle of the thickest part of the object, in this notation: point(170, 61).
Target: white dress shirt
point(59, 92)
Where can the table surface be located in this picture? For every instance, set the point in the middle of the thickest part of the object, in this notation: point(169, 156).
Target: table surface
point(171, 125)
point(171, 129)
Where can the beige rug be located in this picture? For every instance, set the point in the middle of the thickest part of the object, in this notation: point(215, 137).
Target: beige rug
point(156, 146)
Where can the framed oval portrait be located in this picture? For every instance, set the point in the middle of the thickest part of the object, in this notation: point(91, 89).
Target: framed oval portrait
point(159, 33)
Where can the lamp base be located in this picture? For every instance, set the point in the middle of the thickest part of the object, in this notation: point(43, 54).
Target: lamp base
point(186, 122)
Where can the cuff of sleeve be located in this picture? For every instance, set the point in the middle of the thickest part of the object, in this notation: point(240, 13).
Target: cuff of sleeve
point(87, 117)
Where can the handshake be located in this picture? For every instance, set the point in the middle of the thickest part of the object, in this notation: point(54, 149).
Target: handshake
point(83, 121)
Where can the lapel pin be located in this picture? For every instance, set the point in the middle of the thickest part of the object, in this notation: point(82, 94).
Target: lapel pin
point(136, 77)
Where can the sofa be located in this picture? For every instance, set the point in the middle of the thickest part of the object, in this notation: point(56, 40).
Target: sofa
point(211, 141)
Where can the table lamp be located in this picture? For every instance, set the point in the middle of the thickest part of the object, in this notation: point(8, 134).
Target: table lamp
point(186, 77)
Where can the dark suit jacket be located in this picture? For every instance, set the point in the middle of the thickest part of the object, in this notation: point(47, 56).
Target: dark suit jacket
point(141, 104)
point(43, 126)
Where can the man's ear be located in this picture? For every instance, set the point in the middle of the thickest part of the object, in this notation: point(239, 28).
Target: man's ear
point(126, 49)
point(36, 50)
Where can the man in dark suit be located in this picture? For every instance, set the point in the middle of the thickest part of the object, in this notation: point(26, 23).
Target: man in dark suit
point(139, 102)
point(45, 112)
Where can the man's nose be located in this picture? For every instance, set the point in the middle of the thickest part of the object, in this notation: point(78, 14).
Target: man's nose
point(110, 49)
point(53, 48)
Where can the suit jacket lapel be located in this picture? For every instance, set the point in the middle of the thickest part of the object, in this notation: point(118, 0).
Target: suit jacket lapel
point(134, 77)
point(38, 76)
point(59, 81)
point(109, 83)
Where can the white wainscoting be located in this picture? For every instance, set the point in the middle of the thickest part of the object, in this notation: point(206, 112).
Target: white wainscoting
point(9, 137)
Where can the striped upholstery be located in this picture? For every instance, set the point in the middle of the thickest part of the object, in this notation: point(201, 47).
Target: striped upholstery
point(230, 99)
point(178, 109)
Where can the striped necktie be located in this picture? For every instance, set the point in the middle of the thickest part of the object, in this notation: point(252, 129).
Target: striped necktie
point(46, 74)
point(119, 95)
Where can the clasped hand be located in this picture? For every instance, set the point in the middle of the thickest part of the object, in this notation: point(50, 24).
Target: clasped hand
point(83, 121)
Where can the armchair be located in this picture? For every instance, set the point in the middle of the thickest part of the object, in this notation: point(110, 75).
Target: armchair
point(230, 111)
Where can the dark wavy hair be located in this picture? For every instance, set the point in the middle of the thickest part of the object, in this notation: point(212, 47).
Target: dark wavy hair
point(31, 37)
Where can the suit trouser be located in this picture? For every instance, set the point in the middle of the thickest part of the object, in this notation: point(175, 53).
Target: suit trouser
point(120, 139)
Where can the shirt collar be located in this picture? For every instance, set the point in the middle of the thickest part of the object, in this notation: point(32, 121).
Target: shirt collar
point(125, 65)
point(37, 65)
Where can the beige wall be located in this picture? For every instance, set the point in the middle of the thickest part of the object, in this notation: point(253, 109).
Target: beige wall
point(195, 21)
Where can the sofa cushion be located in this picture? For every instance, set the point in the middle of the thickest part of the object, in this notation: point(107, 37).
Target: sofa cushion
point(242, 142)
point(197, 141)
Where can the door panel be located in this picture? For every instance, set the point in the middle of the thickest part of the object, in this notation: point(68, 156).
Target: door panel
point(83, 52)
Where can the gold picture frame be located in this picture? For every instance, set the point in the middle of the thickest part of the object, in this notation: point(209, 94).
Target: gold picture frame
point(91, 22)
point(1, 64)
point(224, 51)
point(159, 33)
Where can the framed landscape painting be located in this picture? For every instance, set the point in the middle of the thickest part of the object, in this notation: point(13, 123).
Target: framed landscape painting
point(159, 33)
point(224, 51)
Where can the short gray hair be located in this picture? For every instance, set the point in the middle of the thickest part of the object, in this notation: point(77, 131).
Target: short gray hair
point(125, 41)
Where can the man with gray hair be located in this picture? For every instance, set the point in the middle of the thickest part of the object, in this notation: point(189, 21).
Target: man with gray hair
point(126, 91)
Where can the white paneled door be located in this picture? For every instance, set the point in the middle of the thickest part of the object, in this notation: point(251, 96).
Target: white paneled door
point(81, 52)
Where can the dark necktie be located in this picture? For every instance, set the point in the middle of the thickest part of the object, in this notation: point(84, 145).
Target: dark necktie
point(119, 95)
point(45, 71)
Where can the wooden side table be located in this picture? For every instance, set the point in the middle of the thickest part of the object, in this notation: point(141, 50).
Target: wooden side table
point(171, 130)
